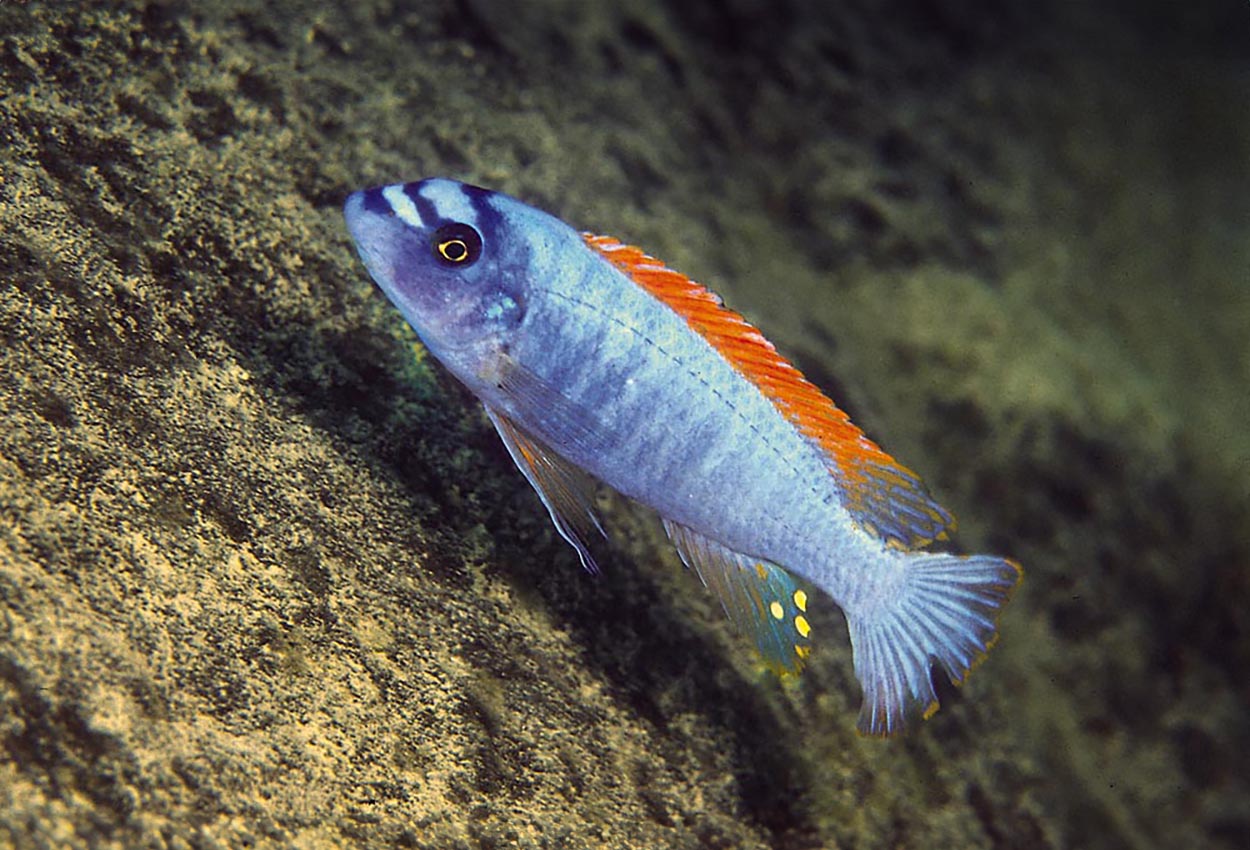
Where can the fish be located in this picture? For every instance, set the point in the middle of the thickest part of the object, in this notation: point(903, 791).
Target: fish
point(597, 362)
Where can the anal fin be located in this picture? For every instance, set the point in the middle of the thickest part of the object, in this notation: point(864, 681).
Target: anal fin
point(562, 487)
point(762, 599)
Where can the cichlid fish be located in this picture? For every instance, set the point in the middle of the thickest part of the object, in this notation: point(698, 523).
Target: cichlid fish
point(592, 357)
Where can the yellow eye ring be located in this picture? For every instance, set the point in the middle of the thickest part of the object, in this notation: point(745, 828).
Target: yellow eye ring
point(453, 250)
point(456, 244)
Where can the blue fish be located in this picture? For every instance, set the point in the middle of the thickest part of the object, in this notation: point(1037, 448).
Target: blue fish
point(592, 357)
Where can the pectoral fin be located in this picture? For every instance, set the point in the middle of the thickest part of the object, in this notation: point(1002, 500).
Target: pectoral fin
point(761, 598)
point(563, 423)
point(563, 487)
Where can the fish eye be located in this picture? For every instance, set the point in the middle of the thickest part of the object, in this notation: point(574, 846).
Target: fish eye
point(456, 244)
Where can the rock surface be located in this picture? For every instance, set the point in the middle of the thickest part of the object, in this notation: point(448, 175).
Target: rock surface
point(267, 579)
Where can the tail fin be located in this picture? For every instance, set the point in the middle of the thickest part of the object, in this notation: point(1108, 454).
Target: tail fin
point(946, 610)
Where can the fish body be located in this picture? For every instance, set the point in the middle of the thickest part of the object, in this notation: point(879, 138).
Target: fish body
point(592, 357)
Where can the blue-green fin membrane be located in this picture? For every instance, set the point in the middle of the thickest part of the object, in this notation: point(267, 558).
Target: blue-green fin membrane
point(761, 598)
point(890, 501)
point(563, 488)
point(946, 609)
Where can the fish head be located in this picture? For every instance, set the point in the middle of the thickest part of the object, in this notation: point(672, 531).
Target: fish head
point(449, 257)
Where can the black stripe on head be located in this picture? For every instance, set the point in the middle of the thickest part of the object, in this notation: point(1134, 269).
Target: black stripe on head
point(375, 203)
point(425, 209)
point(488, 218)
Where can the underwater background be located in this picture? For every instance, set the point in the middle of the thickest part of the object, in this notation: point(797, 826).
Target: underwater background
point(268, 579)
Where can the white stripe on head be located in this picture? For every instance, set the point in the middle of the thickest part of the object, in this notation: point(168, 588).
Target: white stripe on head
point(450, 201)
point(403, 206)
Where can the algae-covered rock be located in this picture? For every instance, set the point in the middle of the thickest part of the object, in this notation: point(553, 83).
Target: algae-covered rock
point(267, 578)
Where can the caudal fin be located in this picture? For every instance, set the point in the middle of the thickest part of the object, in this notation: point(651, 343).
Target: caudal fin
point(945, 611)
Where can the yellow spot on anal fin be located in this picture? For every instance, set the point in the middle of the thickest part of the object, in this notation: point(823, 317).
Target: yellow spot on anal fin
point(800, 600)
point(761, 572)
point(800, 623)
point(776, 610)
point(802, 651)
point(930, 710)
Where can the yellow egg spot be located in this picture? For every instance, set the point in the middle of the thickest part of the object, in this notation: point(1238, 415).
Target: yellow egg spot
point(776, 610)
point(800, 600)
point(800, 623)
point(802, 651)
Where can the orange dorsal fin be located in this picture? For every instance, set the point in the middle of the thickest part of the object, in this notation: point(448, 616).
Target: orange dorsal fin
point(881, 494)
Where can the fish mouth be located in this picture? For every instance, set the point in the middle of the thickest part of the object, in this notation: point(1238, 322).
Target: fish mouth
point(362, 205)
point(372, 199)
point(376, 232)
point(355, 213)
